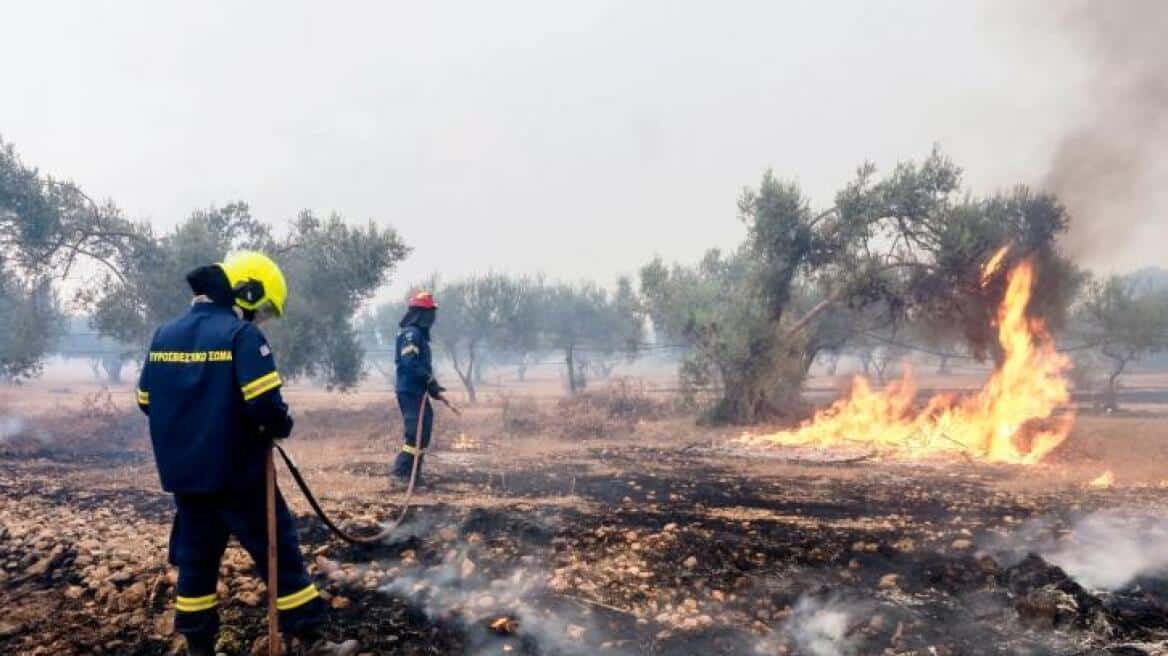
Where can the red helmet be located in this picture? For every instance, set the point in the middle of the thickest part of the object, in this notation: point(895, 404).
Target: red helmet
point(423, 300)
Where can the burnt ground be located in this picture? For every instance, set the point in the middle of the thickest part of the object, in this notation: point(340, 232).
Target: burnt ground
point(647, 546)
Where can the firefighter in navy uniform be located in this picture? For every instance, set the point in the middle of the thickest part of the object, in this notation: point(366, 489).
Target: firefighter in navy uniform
point(415, 384)
point(212, 393)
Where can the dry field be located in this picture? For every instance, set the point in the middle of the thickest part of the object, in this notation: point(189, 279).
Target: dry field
point(608, 525)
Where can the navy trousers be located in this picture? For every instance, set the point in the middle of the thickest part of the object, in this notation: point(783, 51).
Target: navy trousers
point(202, 525)
point(411, 404)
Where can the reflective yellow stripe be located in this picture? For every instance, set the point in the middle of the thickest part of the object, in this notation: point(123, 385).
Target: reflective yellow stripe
point(143, 397)
point(195, 604)
point(412, 450)
point(265, 383)
point(260, 382)
point(297, 599)
point(262, 390)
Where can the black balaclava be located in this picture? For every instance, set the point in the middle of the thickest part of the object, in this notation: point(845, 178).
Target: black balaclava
point(211, 281)
point(421, 317)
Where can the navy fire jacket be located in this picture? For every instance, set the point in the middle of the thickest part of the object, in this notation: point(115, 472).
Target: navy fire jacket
point(212, 392)
point(412, 357)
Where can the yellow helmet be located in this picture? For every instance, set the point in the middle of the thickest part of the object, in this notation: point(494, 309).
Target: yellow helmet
point(256, 281)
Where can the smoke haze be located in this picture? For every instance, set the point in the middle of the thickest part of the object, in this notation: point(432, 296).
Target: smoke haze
point(1109, 168)
point(1109, 550)
point(580, 139)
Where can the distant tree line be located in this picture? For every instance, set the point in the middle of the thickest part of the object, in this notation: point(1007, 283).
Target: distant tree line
point(495, 318)
point(1124, 320)
point(895, 263)
point(47, 226)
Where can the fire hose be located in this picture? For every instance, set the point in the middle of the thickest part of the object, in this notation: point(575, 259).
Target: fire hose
point(405, 505)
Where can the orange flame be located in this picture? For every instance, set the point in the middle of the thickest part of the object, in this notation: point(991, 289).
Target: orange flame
point(1012, 419)
point(1103, 481)
point(991, 266)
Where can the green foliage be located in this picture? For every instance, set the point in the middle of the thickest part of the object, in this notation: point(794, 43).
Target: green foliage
point(47, 224)
point(151, 287)
point(481, 314)
point(906, 247)
point(30, 321)
point(950, 292)
point(497, 317)
point(1128, 321)
point(331, 268)
point(587, 324)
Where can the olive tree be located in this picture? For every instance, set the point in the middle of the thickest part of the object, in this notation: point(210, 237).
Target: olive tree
point(1128, 324)
point(585, 322)
point(331, 268)
point(46, 227)
point(909, 243)
point(30, 321)
point(474, 311)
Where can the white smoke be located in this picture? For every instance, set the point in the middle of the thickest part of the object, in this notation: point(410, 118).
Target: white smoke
point(457, 589)
point(822, 627)
point(1107, 550)
point(10, 426)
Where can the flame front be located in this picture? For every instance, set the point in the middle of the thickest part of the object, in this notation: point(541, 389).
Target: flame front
point(1103, 481)
point(991, 266)
point(1012, 419)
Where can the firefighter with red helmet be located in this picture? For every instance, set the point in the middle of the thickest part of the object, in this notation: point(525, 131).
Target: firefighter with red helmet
point(415, 384)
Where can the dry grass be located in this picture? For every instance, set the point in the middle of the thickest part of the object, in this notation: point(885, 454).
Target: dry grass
point(336, 430)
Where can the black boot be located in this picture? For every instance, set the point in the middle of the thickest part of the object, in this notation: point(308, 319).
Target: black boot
point(200, 646)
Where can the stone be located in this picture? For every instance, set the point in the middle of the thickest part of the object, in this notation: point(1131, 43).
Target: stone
point(135, 595)
point(39, 568)
point(889, 581)
point(164, 624)
point(250, 598)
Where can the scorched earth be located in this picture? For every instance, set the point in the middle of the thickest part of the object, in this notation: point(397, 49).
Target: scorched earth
point(608, 524)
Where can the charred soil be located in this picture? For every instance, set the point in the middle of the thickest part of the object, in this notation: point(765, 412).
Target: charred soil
point(639, 546)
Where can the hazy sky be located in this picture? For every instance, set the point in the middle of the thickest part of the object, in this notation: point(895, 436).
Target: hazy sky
point(575, 138)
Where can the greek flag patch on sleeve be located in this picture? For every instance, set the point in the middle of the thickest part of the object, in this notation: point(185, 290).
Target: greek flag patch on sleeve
point(264, 350)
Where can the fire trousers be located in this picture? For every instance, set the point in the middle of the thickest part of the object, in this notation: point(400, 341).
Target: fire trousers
point(202, 525)
point(411, 404)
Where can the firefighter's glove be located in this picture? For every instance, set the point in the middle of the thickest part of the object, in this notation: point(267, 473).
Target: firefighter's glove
point(285, 429)
point(434, 389)
point(277, 429)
